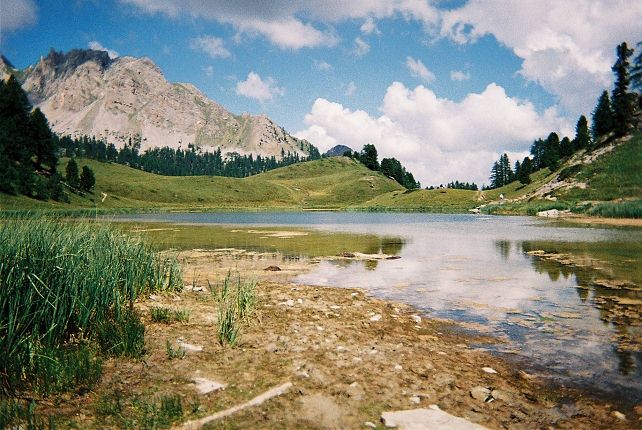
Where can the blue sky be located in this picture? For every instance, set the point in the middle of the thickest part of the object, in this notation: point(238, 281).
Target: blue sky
point(443, 86)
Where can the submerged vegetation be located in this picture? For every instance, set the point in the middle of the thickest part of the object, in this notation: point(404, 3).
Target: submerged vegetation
point(66, 302)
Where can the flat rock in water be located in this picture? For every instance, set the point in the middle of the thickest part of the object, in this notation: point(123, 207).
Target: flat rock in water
point(422, 419)
point(204, 385)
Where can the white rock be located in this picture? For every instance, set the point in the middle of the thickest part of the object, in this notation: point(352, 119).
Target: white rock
point(375, 318)
point(370, 425)
point(299, 301)
point(422, 419)
point(416, 319)
point(416, 400)
point(619, 415)
point(489, 370)
point(398, 367)
point(481, 394)
point(188, 347)
point(204, 385)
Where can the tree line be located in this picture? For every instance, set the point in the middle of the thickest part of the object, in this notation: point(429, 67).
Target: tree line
point(179, 162)
point(613, 117)
point(29, 151)
point(391, 167)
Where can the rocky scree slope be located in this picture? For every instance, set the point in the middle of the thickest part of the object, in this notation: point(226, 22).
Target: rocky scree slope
point(84, 92)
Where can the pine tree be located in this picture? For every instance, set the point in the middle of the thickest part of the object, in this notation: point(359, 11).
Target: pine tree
point(525, 170)
point(43, 143)
point(636, 74)
point(551, 155)
point(368, 157)
point(71, 174)
point(566, 147)
point(602, 117)
point(87, 179)
point(623, 101)
point(582, 138)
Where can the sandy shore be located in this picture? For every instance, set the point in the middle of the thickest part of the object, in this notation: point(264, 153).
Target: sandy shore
point(350, 358)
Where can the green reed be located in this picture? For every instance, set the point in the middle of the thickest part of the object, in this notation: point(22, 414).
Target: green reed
point(67, 290)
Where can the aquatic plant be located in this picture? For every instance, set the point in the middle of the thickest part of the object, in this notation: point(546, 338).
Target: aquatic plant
point(235, 299)
point(66, 297)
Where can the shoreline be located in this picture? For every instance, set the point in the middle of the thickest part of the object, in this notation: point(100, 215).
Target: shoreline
point(349, 356)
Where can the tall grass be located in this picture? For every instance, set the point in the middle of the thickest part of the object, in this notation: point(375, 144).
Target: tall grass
point(66, 296)
point(236, 299)
point(627, 209)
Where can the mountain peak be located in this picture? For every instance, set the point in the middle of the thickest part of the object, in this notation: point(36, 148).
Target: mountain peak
point(84, 92)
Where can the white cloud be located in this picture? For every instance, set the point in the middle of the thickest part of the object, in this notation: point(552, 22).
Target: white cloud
point(17, 14)
point(288, 33)
point(210, 45)
point(419, 70)
point(437, 139)
point(458, 75)
point(351, 88)
point(369, 27)
point(321, 66)
point(254, 87)
point(97, 46)
point(209, 71)
point(567, 47)
point(361, 47)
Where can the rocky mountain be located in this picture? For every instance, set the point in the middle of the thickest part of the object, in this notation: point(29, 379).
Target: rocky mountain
point(84, 92)
point(337, 151)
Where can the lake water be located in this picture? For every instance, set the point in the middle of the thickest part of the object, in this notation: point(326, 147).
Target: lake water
point(559, 319)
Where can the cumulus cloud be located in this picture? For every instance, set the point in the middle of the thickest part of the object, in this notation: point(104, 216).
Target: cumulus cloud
point(567, 47)
point(419, 70)
point(293, 24)
point(210, 45)
point(351, 88)
point(321, 66)
point(257, 88)
point(458, 75)
point(361, 47)
point(439, 140)
point(97, 46)
point(369, 27)
point(17, 14)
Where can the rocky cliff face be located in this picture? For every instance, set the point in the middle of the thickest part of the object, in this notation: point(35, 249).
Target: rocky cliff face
point(84, 92)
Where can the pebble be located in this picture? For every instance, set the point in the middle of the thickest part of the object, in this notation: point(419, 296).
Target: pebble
point(619, 415)
point(489, 370)
point(370, 425)
point(375, 318)
point(416, 400)
point(398, 367)
point(416, 319)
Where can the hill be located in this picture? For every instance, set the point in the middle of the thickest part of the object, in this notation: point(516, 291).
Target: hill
point(337, 151)
point(332, 183)
point(85, 92)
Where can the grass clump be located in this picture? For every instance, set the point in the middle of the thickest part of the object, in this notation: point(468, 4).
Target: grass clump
point(626, 209)
point(173, 353)
point(167, 316)
point(236, 299)
point(66, 299)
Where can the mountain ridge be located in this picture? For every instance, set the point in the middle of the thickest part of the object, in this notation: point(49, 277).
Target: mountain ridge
point(84, 92)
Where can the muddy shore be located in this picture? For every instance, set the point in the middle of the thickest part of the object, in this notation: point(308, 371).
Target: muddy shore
point(350, 357)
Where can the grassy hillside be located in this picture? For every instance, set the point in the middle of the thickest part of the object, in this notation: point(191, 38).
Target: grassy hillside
point(328, 183)
point(606, 181)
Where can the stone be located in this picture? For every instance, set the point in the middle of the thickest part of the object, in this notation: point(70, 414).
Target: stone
point(502, 395)
point(480, 393)
point(271, 347)
point(552, 213)
point(422, 419)
point(188, 347)
point(375, 318)
point(415, 399)
point(205, 386)
point(489, 370)
point(416, 319)
point(370, 425)
point(619, 415)
point(272, 269)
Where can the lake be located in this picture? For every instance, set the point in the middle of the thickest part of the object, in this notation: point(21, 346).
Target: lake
point(563, 301)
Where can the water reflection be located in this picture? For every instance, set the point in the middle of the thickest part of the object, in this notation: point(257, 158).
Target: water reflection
point(618, 301)
point(562, 312)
